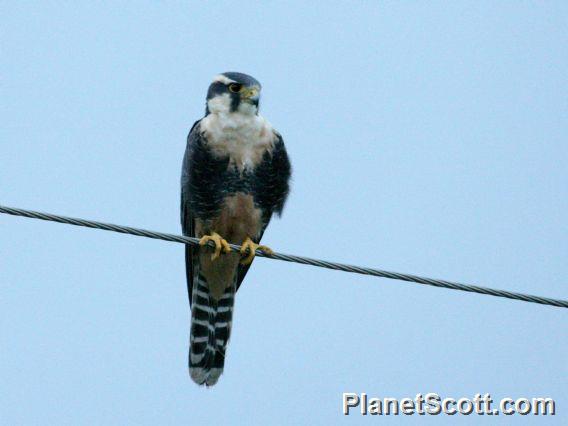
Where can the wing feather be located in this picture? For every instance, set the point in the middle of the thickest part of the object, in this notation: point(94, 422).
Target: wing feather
point(272, 187)
point(187, 219)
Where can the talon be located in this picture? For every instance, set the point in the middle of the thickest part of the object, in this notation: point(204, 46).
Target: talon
point(220, 244)
point(249, 248)
point(266, 250)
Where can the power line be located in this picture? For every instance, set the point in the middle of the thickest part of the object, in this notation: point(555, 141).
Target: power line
point(289, 258)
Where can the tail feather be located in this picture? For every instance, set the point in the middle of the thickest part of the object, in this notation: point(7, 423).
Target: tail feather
point(202, 337)
point(222, 323)
point(210, 331)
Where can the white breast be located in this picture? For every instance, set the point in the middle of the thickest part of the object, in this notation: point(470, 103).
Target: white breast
point(243, 136)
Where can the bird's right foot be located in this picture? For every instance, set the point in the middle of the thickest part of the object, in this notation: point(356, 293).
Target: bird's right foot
point(220, 244)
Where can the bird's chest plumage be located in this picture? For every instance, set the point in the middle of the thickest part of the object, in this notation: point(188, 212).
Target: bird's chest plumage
point(243, 138)
point(237, 144)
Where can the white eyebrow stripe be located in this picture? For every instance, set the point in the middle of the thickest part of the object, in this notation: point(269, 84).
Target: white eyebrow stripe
point(223, 79)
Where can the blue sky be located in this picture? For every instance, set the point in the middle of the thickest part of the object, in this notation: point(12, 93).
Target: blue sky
point(426, 137)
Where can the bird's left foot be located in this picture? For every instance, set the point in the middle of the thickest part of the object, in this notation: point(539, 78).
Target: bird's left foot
point(221, 245)
point(249, 248)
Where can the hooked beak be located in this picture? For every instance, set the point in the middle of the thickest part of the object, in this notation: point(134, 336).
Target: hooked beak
point(251, 94)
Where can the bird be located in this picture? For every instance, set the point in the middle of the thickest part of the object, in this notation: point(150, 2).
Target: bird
point(235, 177)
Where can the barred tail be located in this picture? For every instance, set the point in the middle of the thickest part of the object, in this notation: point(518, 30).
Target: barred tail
point(223, 321)
point(210, 330)
point(202, 337)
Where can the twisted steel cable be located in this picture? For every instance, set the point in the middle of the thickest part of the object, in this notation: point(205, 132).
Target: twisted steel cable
point(289, 258)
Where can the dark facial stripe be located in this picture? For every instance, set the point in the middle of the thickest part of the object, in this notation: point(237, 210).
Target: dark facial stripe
point(235, 101)
point(216, 89)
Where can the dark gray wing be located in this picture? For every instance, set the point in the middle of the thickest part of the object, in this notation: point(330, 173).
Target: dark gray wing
point(271, 185)
point(187, 219)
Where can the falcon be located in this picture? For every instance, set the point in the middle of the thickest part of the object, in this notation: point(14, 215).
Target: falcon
point(235, 177)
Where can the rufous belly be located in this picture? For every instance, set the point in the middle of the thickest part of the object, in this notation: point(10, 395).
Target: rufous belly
point(239, 218)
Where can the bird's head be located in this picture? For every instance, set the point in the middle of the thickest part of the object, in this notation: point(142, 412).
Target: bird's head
point(233, 92)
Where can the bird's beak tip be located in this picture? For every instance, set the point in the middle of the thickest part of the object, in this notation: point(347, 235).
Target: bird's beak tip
point(253, 93)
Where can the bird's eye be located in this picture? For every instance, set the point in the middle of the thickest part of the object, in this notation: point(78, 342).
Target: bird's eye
point(235, 87)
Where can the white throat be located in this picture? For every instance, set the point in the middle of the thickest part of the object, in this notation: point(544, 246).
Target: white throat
point(242, 135)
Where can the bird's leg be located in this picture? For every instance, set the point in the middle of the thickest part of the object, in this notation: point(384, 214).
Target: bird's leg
point(220, 244)
point(249, 248)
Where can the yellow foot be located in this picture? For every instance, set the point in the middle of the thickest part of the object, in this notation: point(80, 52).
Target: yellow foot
point(249, 248)
point(220, 244)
